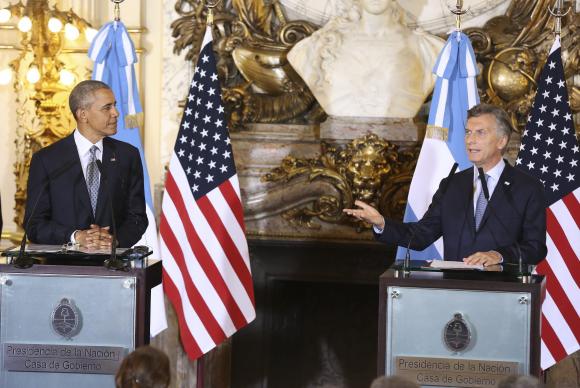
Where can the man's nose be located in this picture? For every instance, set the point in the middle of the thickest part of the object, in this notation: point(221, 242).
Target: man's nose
point(115, 111)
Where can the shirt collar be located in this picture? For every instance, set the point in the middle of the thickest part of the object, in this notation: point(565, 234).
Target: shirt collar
point(84, 145)
point(494, 172)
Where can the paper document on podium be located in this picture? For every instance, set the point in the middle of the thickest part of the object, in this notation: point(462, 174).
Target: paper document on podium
point(443, 264)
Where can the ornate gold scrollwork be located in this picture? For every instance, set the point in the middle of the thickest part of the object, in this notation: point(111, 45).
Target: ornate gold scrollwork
point(512, 49)
point(369, 168)
point(188, 30)
point(251, 38)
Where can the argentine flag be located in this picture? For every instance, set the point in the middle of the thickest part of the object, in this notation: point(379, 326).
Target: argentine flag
point(454, 94)
point(114, 55)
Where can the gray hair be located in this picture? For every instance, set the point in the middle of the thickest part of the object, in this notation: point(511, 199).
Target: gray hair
point(82, 95)
point(504, 124)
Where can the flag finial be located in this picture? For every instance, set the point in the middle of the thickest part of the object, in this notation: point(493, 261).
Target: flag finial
point(556, 11)
point(117, 10)
point(458, 12)
point(211, 4)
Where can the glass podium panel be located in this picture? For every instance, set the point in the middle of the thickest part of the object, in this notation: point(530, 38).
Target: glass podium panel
point(421, 325)
point(64, 330)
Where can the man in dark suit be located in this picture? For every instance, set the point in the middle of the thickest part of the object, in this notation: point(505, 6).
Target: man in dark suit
point(473, 229)
point(72, 195)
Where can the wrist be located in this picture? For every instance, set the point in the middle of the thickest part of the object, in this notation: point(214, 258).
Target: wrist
point(381, 224)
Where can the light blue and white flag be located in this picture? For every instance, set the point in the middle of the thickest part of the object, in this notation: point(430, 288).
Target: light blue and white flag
point(114, 55)
point(454, 94)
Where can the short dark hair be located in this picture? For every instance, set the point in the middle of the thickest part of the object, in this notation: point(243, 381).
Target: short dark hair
point(144, 367)
point(81, 97)
point(504, 124)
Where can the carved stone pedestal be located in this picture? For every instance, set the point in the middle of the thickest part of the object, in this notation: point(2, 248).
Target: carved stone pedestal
point(294, 184)
point(348, 128)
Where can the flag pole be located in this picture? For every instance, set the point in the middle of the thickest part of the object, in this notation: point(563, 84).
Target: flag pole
point(556, 11)
point(200, 383)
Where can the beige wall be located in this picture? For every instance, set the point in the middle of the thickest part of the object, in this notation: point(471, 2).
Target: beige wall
point(163, 80)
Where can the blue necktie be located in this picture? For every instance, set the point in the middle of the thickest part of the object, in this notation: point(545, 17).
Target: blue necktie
point(480, 206)
point(93, 176)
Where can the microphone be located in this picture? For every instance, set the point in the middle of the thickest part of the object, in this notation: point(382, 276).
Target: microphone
point(113, 263)
point(492, 210)
point(407, 262)
point(483, 183)
point(23, 260)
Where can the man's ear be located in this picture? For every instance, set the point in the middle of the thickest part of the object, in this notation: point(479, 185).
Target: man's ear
point(81, 115)
point(503, 143)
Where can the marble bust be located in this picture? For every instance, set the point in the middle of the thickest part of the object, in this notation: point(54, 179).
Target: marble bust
point(366, 62)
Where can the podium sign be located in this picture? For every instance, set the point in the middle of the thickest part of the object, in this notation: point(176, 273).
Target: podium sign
point(458, 329)
point(67, 325)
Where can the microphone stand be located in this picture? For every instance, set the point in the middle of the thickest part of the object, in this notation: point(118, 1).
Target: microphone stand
point(407, 261)
point(113, 263)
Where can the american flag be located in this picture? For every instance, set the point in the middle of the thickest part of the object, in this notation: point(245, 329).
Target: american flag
point(206, 266)
point(550, 151)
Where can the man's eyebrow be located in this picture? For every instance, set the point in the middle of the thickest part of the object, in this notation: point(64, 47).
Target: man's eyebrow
point(109, 104)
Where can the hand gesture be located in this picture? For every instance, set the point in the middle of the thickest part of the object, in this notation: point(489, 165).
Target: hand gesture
point(95, 237)
point(366, 213)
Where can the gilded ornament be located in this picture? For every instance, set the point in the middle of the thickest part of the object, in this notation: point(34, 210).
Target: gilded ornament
point(368, 168)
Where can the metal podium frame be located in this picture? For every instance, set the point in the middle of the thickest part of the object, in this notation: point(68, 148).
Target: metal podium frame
point(428, 281)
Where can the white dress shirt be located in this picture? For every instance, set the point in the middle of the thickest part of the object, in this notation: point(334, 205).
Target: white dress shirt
point(84, 149)
point(492, 181)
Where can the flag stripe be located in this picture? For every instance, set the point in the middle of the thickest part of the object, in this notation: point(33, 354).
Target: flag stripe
point(546, 359)
point(197, 301)
point(561, 241)
point(206, 265)
point(226, 242)
point(571, 202)
point(211, 244)
point(225, 208)
point(562, 318)
point(185, 309)
point(235, 204)
point(185, 335)
point(553, 265)
point(442, 103)
point(565, 217)
point(203, 279)
point(559, 324)
point(552, 341)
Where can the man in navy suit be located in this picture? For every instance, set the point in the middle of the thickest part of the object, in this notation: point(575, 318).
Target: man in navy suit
point(72, 195)
point(474, 230)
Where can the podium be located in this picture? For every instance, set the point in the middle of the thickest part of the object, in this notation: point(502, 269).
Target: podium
point(458, 328)
point(72, 325)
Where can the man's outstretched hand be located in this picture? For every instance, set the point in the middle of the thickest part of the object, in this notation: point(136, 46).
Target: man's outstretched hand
point(367, 213)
